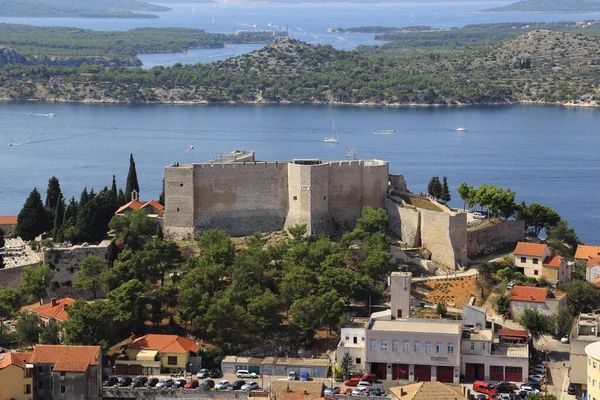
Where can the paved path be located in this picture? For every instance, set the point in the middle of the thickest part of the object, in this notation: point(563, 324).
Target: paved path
point(470, 272)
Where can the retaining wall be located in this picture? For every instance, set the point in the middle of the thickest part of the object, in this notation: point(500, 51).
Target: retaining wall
point(495, 237)
point(404, 222)
point(445, 236)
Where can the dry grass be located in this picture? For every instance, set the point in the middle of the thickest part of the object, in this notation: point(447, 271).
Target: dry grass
point(420, 203)
point(453, 292)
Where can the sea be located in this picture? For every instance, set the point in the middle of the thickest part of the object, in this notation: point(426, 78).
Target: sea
point(546, 154)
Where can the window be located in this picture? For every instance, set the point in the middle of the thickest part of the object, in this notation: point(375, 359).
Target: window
point(40, 384)
point(373, 345)
point(395, 345)
point(472, 346)
point(496, 368)
point(595, 365)
point(358, 361)
point(384, 345)
point(483, 346)
point(520, 306)
point(417, 346)
point(347, 338)
point(172, 360)
point(427, 347)
point(594, 382)
point(63, 389)
point(539, 307)
point(535, 272)
point(405, 346)
point(40, 369)
point(535, 260)
point(523, 259)
point(355, 340)
point(295, 197)
point(28, 372)
point(450, 348)
point(439, 347)
point(27, 389)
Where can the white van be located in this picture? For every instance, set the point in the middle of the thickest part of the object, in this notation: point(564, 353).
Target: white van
point(292, 376)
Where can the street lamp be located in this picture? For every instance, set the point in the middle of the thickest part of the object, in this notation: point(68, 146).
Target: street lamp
point(398, 372)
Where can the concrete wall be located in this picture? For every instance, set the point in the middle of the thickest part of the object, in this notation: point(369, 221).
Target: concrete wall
point(495, 237)
point(445, 236)
point(473, 317)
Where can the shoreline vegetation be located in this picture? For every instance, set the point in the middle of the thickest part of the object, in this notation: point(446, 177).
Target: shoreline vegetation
point(473, 66)
point(80, 8)
point(546, 7)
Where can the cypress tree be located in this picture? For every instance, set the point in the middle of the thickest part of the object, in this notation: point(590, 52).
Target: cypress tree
point(121, 199)
point(445, 195)
point(53, 195)
point(437, 187)
point(83, 199)
point(32, 219)
point(2, 243)
point(161, 198)
point(132, 181)
point(114, 194)
point(431, 186)
point(59, 216)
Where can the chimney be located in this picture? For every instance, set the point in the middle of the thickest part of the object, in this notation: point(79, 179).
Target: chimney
point(53, 302)
point(135, 196)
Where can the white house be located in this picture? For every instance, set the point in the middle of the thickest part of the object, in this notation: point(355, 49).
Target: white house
point(536, 261)
point(546, 301)
point(593, 269)
point(352, 341)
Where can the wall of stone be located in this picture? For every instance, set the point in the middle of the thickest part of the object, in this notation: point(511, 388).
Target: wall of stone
point(179, 199)
point(495, 237)
point(398, 182)
point(404, 222)
point(445, 236)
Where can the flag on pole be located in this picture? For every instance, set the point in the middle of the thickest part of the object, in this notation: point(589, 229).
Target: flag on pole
point(191, 148)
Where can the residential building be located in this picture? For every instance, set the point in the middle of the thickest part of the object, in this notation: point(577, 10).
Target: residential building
point(352, 340)
point(55, 309)
point(536, 261)
point(8, 223)
point(15, 379)
point(585, 331)
point(593, 371)
point(546, 301)
point(151, 354)
point(429, 391)
point(66, 372)
point(152, 207)
point(592, 270)
point(474, 317)
point(585, 252)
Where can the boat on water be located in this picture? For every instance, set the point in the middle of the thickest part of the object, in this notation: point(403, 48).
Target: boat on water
point(51, 115)
point(255, 26)
point(334, 138)
point(463, 127)
point(270, 24)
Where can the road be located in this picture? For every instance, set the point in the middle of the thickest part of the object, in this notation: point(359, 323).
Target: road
point(557, 355)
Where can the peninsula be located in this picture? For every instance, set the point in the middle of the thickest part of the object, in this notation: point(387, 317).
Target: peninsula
point(547, 6)
point(79, 8)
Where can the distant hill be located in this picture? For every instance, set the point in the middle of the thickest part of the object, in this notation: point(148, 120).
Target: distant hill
point(78, 8)
point(541, 6)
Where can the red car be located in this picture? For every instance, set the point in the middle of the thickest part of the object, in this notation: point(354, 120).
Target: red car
point(371, 378)
point(352, 381)
point(191, 384)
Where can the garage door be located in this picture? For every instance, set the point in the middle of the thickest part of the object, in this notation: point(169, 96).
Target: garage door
point(399, 371)
point(513, 374)
point(445, 374)
point(423, 373)
point(122, 369)
point(496, 373)
point(135, 370)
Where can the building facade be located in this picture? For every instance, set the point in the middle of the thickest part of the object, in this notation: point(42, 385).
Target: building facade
point(528, 258)
point(585, 331)
point(544, 300)
point(592, 351)
point(15, 379)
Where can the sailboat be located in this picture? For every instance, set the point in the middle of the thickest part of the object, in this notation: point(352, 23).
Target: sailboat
point(462, 128)
point(334, 138)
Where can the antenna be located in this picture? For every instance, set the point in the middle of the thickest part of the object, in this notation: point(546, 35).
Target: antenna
point(351, 153)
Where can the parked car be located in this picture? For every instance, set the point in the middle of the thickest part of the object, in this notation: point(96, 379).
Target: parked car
point(250, 386)
point(564, 339)
point(125, 381)
point(139, 381)
point(364, 384)
point(152, 382)
point(533, 384)
point(528, 390)
point(193, 384)
point(571, 389)
point(481, 397)
point(479, 215)
point(215, 373)
point(360, 391)
point(203, 373)
point(222, 385)
point(377, 392)
point(536, 378)
point(244, 373)
point(209, 384)
point(179, 383)
point(484, 387)
point(237, 385)
point(112, 381)
point(165, 383)
point(504, 387)
point(514, 396)
point(539, 369)
point(304, 376)
point(352, 381)
point(331, 390)
point(503, 396)
point(369, 378)
point(292, 376)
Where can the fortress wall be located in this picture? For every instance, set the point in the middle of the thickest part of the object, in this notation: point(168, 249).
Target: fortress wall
point(398, 182)
point(375, 184)
point(345, 193)
point(445, 236)
point(404, 222)
point(241, 198)
point(179, 198)
point(299, 183)
point(495, 237)
point(321, 220)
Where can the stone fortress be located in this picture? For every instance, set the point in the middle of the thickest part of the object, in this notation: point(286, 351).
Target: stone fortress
point(241, 196)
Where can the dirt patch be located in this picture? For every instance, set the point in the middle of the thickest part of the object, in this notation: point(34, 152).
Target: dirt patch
point(453, 292)
point(420, 203)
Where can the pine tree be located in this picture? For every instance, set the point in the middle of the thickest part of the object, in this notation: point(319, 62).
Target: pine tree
point(84, 197)
point(2, 243)
point(59, 216)
point(132, 181)
point(53, 195)
point(437, 187)
point(114, 194)
point(445, 194)
point(431, 186)
point(121, 198)
point(32, 220)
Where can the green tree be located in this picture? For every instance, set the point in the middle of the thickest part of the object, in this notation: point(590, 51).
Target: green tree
point(125, 299)
point(538, 217)
point(53, 196)
point(561, 233)
point(33, 219)
point(160, 256)
point(50, 333)
point(434, 188)
point(132, 180)
point(371, 221)
point(536, 323)
point(27, 328)
point(161, 198)
point(88, 324)
point(59, 216)
point(445, 192)
point(296, 284)
point(133, 229)
point(88, 276)
point(121, 201)
point(84, 197)
point(501, 304)
point(217, 247)
point(465, 193)
point(563, 321)
point(114, 195)
point(94, 217)
point(9, 306)
point(583, 296)
point(36, 281)
point(2, 242)
point(266, 311)
point(346, 364)
point(304, 314)
point(298, 232)
point(331, 308)
point(442, 310)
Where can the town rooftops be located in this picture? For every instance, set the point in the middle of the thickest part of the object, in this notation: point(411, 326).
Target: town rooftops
point(297, 390)
point(477, 334)
point(323, 362)
point(428, 391)
point(535, 294)
point(66, 358)
point(18, 359)
point(165, 344)
point(357, 322)
point(593, 261)
point(511, 350)
point(585, 252)
point(447, 327)
point(8, 220)
point(513, 333)
point(55, 309)
point(553, 262)
point(134, 205)
point(530, 249)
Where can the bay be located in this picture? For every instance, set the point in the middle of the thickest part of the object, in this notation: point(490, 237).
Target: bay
point(546, 154)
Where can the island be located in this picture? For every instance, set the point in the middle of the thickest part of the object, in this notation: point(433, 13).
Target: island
point(79, 8)
point(380, 29)
point(547, 6)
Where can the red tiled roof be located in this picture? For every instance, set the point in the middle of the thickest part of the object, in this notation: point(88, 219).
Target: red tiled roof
point(555, 261)
point(134, 205)
point(585, 251)
point(8, 220)
point(535, 294)
point(165, 344)
point(512, 332)
point(18, 359)
point(593, 261)
point(530, 249)
point(66, 358)
point(55, 312)
point(154, 204)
